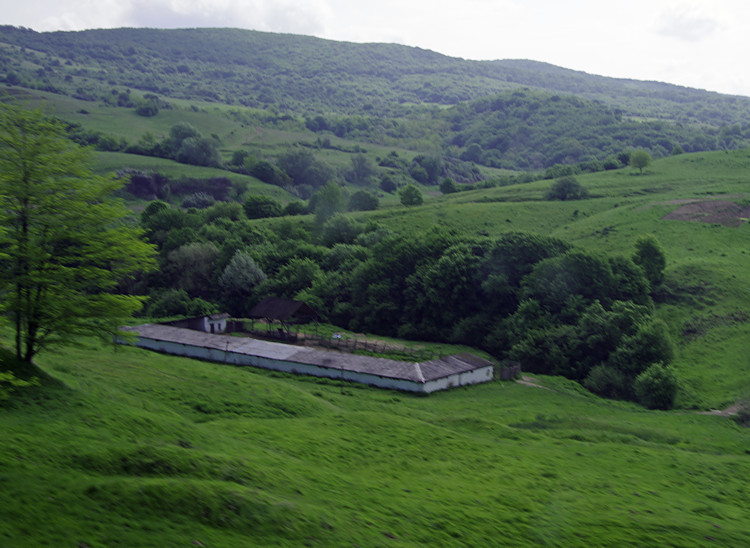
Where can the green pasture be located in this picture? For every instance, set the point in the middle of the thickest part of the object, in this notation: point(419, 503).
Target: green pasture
point(128, 447)
point(108, 163)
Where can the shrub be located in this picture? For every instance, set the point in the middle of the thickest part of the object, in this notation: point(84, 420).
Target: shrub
point(656, 387)
point(448, 186)
point(607, 382)
point(411, 196)
point(650, 256)
point(363, 201)
point(295, 208)
point(387, 184)
point(199, 151)
point(147, 109)
point(198, 200)
point(566, 188)
point(263, 170)
point(339, 229)
point(419, 174)
point(260, 207)
point(650, 344)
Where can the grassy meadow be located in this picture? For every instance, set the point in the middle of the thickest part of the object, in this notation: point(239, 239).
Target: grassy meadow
point(130, 448)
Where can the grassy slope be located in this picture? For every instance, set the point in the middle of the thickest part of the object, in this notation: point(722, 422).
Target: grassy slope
point(149, 450)
point(229, 124)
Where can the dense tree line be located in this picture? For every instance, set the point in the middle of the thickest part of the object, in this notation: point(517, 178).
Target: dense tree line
point(537, 300)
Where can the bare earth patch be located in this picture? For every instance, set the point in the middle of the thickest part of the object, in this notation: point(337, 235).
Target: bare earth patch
point(728, 412)
point(722, 212)
point(531, 381)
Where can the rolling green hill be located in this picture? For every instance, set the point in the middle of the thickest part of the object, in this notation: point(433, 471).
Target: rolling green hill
point(308, 74)
point(379, 94)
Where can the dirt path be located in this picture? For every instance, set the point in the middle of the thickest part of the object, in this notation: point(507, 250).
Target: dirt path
point(531, 381)
point(728, 412)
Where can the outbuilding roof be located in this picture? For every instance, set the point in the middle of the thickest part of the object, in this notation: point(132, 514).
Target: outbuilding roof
point(418, 372)
point(279, 308)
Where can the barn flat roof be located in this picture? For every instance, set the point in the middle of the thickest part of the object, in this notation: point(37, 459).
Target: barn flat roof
point(419, 372)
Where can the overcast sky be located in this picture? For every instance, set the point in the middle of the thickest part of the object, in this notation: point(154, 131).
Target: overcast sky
point(697, 43)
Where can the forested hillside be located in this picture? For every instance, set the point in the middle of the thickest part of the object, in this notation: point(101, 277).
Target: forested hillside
point(310, 74)
point(537, 114)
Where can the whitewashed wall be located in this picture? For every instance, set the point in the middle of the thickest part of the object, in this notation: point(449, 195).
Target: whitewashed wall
point(460, 379)
point(483, 374)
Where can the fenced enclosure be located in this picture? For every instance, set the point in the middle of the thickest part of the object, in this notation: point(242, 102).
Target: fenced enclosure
point(341, 342)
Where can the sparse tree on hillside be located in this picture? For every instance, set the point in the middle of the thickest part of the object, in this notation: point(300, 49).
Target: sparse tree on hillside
point(63, 247)
point(640, 159)
point(656, 387)
point(567, 188)
point(448, 186)
point(650, 256)
point(303, 168)
point(362, 170)
point(178, 133)
point(199, 151)
point(363, 201)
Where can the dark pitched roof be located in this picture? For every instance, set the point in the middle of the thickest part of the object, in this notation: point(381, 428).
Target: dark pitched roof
point(278, 308)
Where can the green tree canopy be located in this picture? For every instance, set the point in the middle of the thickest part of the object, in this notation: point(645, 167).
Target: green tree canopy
point(259, 207)
point(199, 151)
point(650, 256)
point(448, 186)
point(304, 169)
point(63, 250)
point(411, 196)
point(363, 200)
point(640, 159)
point(328, 201)
point(361, 171)
point(656, 387)
point(238, 281)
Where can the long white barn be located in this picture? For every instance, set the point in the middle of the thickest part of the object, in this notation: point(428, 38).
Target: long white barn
point(423, 377)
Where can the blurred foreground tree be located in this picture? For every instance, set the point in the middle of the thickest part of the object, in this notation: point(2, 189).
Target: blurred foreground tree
point(63, 245)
